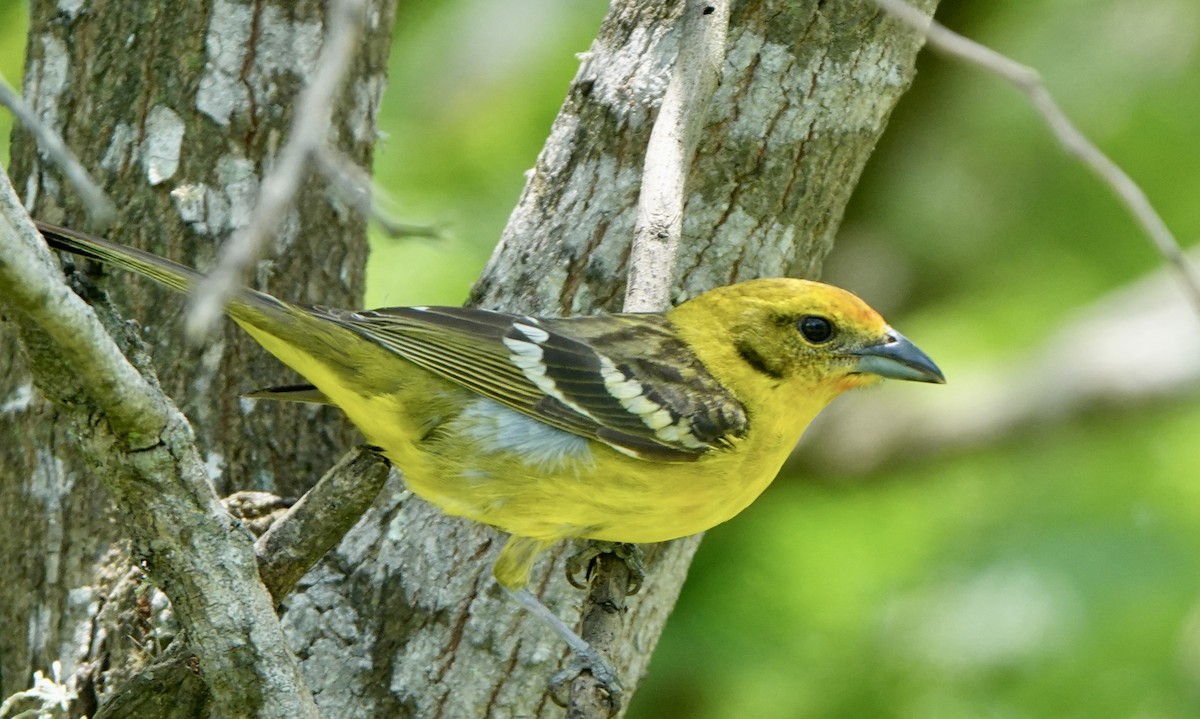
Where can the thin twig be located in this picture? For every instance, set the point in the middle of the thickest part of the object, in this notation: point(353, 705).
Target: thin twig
point(355, 186)
point(600, 627)
point(1028, 81)
point(310, 127)
point(99, 207)
point(669, 154)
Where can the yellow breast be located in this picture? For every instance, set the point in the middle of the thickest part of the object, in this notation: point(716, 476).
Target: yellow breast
point(500, 467)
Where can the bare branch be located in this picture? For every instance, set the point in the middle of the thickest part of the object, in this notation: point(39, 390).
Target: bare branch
point(669, 154)
point(99, 207)
point(285, 553)
point(355, 186)
point(310, 127)
point(1027, 80)
point(150, 467)
point(316, 523)
point(32, 283)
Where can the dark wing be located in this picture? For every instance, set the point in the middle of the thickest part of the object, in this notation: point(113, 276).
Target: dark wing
point(624, 380)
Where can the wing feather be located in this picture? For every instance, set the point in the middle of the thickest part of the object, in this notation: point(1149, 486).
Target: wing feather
point(623, 380)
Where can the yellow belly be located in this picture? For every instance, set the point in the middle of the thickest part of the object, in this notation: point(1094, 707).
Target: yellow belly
point(497, 466)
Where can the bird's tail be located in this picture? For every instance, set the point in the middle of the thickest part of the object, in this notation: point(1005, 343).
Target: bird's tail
point(247, 306)
point(172, 274)
point(312, 341)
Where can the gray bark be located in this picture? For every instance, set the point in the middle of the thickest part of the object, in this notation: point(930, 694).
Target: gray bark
point(177, 110)
point(402, 618)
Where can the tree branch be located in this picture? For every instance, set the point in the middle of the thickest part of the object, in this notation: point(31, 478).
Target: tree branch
point(98, 205)
point(789, 130)
point(286, 551)
point(355, 186)
point(148, 463)
point(669, 154)
point(317, 522)
point(1029, 81)
point(32, 283)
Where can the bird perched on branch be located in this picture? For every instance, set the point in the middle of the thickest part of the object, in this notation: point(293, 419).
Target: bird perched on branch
point(624, 427)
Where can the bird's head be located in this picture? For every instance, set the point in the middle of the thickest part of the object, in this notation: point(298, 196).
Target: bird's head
point(789, 335)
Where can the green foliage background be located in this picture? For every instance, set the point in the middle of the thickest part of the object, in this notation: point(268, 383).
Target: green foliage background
point(1050, 574)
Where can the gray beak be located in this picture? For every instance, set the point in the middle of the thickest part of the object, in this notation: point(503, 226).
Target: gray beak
point(898, 358)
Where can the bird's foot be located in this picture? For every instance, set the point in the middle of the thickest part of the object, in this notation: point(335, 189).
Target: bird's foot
point(580, 564)
point(606, 684)
point(585, 657)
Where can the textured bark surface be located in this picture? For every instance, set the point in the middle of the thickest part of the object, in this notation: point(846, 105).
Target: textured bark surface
point(176, 110)
point(806, 93)
point(403, 618)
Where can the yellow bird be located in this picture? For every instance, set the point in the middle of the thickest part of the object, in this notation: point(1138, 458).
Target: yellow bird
point(623, 427)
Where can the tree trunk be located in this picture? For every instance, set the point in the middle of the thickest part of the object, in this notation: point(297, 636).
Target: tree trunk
point(403, 619)
point(177, 110)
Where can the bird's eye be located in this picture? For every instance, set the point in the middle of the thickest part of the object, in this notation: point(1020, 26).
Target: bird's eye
point(815, 329)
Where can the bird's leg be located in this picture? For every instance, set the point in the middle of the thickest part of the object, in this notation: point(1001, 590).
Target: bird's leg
point(579, 565)
point(586, 658)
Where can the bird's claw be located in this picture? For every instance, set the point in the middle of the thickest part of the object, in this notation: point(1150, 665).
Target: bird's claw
point(580, 563)
point(592, 662)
